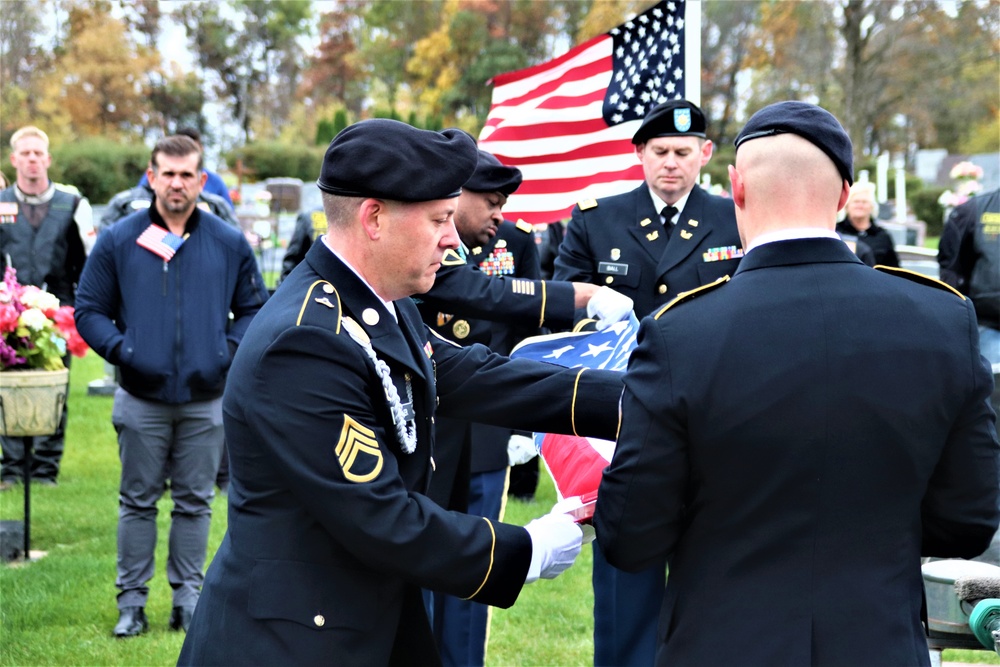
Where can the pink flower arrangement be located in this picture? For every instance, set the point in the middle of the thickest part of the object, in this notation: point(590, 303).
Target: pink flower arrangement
point(966, 170)
point(967, 176)
point(35, 331)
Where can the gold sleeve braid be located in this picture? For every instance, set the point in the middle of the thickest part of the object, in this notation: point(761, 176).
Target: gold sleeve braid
point(489, 569)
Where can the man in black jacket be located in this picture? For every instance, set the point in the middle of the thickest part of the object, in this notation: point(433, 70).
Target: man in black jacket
point(167, 296)
point(46, 232)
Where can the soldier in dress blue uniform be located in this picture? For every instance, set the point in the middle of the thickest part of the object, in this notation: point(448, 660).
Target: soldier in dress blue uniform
point(795, 465)
point(624, 242)
point(329, 415)
point(496, 261)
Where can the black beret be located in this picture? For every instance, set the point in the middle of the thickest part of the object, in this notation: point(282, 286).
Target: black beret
point(813, 123)
point(674, 118)
point(492, 176)
point(388, 159)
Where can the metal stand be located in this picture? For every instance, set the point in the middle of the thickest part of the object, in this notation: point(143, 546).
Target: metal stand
point(29, 447)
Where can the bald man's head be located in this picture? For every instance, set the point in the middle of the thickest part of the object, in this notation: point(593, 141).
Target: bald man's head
point(784, 181)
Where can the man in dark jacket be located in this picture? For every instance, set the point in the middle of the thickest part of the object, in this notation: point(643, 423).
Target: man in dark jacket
point(156, 302)
point(329, 416)
point(794, 535)
point(46, 231)
point(969, 257)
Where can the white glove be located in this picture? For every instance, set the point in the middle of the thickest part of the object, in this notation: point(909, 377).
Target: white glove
point(555, 544)
point(608, 306)
point(520, 449)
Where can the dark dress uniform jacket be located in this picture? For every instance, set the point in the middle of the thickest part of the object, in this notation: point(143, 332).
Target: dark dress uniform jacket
point(329, 539)
point(465, 446)
point(619, 242)
point(821, 427)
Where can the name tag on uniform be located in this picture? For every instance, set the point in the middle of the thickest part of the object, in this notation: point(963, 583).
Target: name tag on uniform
point(612, 268)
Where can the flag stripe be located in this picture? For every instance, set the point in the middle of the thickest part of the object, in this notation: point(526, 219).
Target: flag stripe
point(568, 123)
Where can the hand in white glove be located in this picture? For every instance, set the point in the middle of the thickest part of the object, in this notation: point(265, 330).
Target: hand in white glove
point(555, 544)
point(520, 449)
point(608, 306)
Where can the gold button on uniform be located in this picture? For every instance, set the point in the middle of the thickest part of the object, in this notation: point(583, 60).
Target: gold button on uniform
point(609, 279)
point(663, 289)
point(319, 620)
point(328, 288)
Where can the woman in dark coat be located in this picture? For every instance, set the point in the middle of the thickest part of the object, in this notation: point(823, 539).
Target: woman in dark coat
point(859, 220)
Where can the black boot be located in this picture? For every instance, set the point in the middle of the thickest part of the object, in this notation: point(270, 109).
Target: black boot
point(180, 618)
point(131, 622)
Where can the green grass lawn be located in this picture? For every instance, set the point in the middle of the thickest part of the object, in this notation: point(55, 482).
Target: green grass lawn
point(59, 609)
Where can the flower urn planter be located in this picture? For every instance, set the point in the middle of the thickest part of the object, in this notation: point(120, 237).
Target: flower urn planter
point(31, 401)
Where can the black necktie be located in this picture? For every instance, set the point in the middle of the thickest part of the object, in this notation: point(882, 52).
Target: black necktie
point(667, 216)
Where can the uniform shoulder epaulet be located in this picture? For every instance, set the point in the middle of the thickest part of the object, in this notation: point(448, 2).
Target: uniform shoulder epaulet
point(321, 295)
point(452, 258)
point(690, 294)
point(587, 204)
point(524, 226)
point(919, 278)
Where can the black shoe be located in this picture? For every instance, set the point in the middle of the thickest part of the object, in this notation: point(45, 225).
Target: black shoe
point(180, 618)
point(131, 622)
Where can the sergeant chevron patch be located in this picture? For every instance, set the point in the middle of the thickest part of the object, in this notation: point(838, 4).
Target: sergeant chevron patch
point(358, 452)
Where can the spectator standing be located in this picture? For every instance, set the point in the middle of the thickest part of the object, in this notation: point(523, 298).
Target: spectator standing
point(329, 417)
point(969, 257)
point(804, 528)
point(859, 221)
point(624, 242)
point(155, 300)
point(214, 184)
point(46, 232)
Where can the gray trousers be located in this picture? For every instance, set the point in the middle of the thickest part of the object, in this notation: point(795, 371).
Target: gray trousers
point(157, 442)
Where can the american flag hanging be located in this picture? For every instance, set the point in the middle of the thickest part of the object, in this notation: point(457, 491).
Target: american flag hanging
point(159, 241)
point(567, 124)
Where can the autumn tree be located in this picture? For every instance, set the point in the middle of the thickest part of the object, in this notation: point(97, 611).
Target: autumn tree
point(252, 48)
point(334, 69)
point(728, 28)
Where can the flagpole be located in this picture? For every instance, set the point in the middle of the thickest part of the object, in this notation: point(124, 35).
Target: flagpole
point(692, 51)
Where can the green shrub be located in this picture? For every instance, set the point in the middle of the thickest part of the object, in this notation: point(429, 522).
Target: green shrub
point(924, 203)
point(275, 160)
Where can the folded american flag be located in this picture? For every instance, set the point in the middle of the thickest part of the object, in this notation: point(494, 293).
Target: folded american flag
point(159, 241)
point(576, 462)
